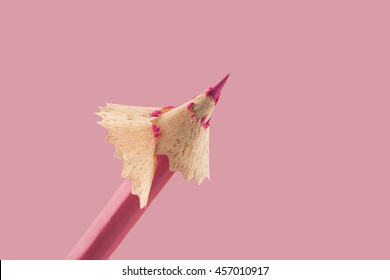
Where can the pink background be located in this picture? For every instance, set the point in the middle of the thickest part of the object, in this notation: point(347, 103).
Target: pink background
point(300, 154)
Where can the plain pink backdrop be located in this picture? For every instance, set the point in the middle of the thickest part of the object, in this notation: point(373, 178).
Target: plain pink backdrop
point(300, 154)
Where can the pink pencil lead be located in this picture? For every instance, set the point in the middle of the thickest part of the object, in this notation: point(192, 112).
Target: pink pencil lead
point(215, 91)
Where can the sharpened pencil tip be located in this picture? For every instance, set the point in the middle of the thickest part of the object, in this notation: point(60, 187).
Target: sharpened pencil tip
point(215, 91)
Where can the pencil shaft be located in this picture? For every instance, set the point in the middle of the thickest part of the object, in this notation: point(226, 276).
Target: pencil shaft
point(117, 218)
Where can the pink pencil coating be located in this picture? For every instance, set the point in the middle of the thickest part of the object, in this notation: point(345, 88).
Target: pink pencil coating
point(150, 143)
point(117, 218)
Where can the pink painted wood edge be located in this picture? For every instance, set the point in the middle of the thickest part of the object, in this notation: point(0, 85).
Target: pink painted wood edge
point(117, 218)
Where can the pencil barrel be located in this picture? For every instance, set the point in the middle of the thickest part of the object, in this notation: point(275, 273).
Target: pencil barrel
point(117, 218)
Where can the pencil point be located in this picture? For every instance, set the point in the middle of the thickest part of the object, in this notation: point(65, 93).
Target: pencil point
point(215, 91)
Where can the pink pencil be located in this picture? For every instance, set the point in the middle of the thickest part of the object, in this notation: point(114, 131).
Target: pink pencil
point(130, 201)
point(117, 218)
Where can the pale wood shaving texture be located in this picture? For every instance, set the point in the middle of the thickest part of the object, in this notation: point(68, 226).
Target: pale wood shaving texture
point(184, 140)
point(129, 129)
point(203, 107)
